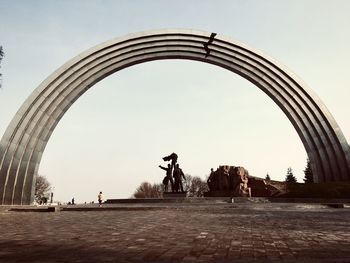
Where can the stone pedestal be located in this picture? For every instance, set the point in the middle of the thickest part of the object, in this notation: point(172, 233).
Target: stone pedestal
point(180, 195)
point(225, 194)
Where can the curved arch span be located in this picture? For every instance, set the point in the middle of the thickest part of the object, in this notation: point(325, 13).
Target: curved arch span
point(25, 139)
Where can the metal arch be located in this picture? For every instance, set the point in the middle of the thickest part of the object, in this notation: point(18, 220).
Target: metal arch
point(25, 139)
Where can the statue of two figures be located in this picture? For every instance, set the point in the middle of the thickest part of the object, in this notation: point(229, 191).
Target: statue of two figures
point(174, 174)
point(229, 179)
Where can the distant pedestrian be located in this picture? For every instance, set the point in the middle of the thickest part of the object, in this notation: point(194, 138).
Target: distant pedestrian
point(100, 199)
point(73, 201)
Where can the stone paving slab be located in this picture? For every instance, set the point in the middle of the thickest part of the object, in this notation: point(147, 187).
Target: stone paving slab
point(176, 233)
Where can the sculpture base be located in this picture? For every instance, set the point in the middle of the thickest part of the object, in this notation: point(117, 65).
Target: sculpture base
point(220, 193)
point(180, 195)
point(225, 193)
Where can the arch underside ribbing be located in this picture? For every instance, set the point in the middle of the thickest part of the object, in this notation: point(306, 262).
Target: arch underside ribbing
point(25, 139)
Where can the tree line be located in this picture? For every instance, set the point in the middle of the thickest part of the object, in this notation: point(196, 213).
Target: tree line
point(193, 185)
point(290, 178)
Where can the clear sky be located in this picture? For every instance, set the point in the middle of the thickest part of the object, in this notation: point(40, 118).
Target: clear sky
point(114, 136)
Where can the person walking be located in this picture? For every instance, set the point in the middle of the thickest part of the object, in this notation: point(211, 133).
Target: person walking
point(100, 199)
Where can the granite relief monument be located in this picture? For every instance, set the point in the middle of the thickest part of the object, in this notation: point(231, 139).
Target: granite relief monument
point(235, 181)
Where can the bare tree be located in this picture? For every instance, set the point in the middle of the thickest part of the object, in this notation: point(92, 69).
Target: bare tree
point(197, 187)
point(147, 190)
point(42, 188)
point(187, 182)
point(157, 190)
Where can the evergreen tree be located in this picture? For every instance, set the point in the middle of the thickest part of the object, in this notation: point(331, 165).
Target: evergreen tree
point(290, 178)
point(267, 177)
point(309, 178)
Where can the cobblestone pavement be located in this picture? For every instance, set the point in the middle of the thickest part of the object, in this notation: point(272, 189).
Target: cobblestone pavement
point(175, 233)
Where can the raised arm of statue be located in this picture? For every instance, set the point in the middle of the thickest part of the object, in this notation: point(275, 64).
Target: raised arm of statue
point(161, 167)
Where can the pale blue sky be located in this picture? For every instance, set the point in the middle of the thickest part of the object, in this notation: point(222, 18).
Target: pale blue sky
point(114, 136)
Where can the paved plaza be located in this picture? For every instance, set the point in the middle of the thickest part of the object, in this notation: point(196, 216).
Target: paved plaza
point(262, 232)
